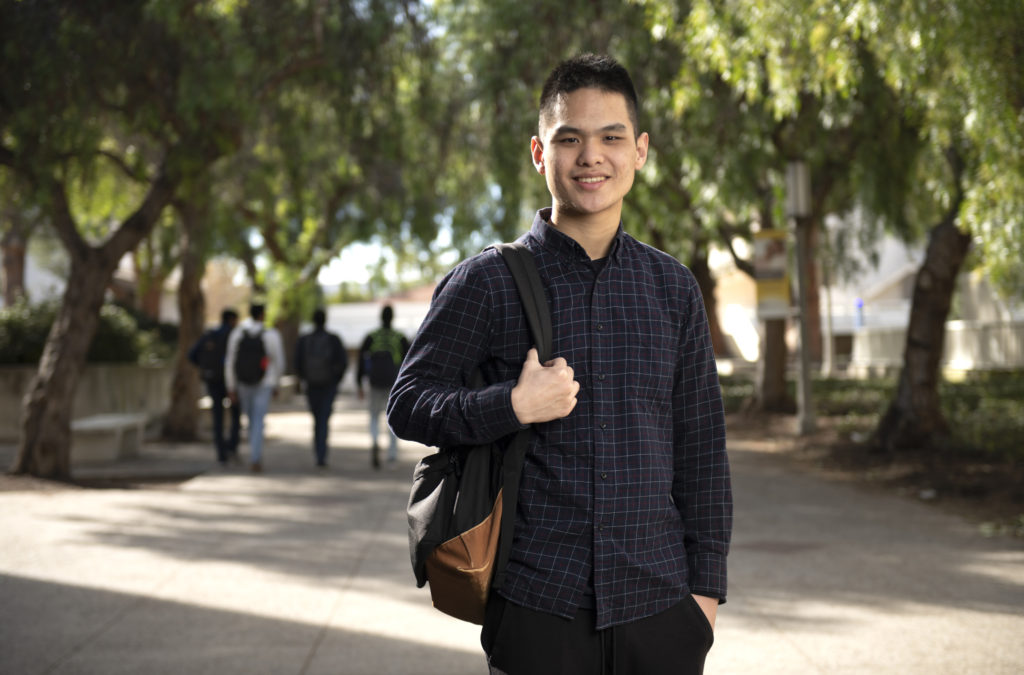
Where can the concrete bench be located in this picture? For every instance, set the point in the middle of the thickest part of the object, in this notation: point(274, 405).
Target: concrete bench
point(107, 437)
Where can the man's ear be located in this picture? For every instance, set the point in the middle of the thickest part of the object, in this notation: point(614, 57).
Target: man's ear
point(537, 152)
point(642, 144)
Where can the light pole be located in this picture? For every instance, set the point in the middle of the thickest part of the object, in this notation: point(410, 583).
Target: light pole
point(798, 207)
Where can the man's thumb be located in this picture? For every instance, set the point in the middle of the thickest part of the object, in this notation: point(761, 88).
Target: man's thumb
point(532, 357)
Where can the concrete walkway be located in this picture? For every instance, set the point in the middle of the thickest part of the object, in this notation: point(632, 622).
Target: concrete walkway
point(291, 572)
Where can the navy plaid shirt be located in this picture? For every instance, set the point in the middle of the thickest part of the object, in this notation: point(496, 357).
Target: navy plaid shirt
point(630, 494)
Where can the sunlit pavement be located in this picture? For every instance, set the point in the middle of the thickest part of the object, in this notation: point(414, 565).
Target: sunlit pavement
point(291, 571)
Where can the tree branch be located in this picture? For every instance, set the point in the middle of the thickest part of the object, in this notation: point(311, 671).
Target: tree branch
point(291, 69)
point(138, 224)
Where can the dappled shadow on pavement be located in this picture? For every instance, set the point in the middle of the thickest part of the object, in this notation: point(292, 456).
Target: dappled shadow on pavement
point(62, 629)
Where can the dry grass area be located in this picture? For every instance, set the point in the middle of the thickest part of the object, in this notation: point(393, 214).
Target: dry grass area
point(985, 489)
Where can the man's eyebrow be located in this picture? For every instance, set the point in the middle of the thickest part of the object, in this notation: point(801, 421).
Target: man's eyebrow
point(564, 129)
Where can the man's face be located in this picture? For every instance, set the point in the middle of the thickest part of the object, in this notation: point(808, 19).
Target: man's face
point(588, 153)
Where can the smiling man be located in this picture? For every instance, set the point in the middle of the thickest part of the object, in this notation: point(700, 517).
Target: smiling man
point(625, 504)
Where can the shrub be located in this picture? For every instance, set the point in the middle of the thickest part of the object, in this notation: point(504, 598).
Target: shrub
point(24, 329)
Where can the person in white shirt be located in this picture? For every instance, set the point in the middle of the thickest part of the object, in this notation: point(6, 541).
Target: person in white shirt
point(253, 365)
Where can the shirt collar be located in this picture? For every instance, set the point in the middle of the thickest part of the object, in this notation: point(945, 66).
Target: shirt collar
point(562, 244)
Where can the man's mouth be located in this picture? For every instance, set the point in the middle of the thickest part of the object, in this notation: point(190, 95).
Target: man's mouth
point(590, 179)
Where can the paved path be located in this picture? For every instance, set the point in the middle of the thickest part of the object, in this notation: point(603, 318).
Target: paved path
point(296, 573)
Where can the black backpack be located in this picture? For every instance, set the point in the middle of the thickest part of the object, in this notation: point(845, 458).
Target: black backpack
point(251, 358)
point(319, 362)
point(385, 356)
point(210, 357)
point(462, 505)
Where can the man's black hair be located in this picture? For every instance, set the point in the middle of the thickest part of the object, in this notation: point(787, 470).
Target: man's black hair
point(319, 318)
point(386, 315)
point(256, 311)
point(228, 316)
point(589, 71)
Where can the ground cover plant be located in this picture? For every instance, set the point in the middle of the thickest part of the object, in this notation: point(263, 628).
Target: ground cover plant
point(977, 470)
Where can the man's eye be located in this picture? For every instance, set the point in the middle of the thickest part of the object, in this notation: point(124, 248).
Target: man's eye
point(613, 138)
point(569, 140)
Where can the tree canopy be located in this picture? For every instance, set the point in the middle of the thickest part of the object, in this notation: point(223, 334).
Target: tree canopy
point(282, 131)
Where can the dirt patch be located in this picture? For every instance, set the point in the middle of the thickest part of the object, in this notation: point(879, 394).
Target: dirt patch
point(985, 490)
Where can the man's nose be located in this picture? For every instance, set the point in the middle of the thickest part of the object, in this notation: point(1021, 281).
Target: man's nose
point(590, 154)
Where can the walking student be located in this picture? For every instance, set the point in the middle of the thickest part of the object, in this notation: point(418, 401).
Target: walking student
point(208, 354)
point(618, 560)
point(320, 361)
point(380, 356)
point(253, 366)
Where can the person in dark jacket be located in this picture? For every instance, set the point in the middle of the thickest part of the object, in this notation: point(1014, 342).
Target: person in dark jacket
point(320, 362)
point(208, 355)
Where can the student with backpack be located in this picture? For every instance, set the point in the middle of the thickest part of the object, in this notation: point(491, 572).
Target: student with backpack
point(252, 367)
point(320, 362)
point(624, 512)
point(379, 359)
point(208, 354)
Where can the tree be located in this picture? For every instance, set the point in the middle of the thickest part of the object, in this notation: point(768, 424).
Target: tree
point(106, 109)
point(329, 160)
point(961, 65)
point(180, 421)
point(876, 95)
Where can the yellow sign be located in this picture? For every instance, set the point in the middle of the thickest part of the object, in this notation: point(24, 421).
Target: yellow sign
point(770, 271)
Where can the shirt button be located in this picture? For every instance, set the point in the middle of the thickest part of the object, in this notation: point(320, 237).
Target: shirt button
point(601, 377)
point(604, 475)
point(603, 425)
point(600, 326)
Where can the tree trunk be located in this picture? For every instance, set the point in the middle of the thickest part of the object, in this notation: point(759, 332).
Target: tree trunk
point(44, 447)
point(181, 420)
point(150, 298)
point(814, 341)
point(702, 272)
point(45, 441)
point(288, 327)
point(13, 245)
point(914, 418)
point(771, 394)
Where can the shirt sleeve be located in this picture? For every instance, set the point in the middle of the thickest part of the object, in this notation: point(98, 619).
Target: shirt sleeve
point(229, 358)
point(701, 485)
point(193, 352)
point(432, 402)
point(342, 357)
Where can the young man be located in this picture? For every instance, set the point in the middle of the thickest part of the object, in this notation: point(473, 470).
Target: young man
point(625, 507)
point(252, 368)
point(320, 361)
point(208, 353)
point(380, 356)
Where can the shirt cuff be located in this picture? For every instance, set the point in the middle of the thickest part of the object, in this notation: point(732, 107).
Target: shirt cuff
point(496, 413)
point(708, 575)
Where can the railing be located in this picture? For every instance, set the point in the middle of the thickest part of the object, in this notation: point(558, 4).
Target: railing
point(969, 345)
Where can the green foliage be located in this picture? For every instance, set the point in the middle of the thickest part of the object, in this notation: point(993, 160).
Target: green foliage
point(736, 391)
point(985, 411)
point(119, 337)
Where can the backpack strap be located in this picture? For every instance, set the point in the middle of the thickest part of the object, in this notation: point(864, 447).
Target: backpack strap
point(521, 263)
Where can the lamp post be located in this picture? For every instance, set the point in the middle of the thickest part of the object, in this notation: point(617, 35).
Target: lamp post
point(798, 207)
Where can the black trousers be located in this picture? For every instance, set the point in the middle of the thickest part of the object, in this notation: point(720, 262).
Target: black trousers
point(521, 641)
point(226, 444)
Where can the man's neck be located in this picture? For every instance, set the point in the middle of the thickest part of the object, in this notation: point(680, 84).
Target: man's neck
point(595, 234)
